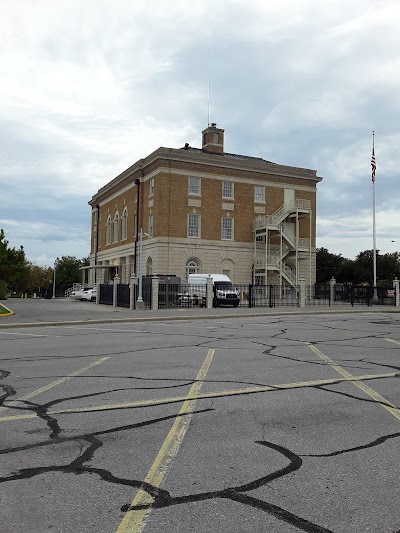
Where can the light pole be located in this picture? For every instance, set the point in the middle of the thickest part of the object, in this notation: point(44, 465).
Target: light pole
point(396, 241)
point(54, 278)
point(139, 301)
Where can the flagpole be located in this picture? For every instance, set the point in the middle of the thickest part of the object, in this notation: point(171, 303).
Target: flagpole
point(373, 165)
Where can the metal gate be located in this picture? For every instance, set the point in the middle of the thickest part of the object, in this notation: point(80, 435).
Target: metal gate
point(123, 295)
point(366, 295)
point(106, 294)
point(273, 296)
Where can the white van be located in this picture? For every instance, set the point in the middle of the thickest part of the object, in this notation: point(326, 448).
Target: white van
point(225, 293)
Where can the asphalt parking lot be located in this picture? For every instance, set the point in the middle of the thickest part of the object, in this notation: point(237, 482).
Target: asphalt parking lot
point(276, 423)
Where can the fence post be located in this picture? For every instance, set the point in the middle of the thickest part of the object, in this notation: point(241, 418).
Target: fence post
point(132, 292)
point(302, 285)
point(332, 285)
point(209, 293)
point(115, 291)
point(97, 290)
point(155, 287)
point(250, 295)
point(396, 285)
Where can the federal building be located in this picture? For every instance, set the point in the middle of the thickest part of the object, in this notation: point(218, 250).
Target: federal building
point(204, 210)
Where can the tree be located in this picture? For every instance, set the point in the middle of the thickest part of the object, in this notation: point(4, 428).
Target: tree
point(67, 272)
point(40, 279)
point(363, 266)
point(13, 266)
point(327, 265)
point(388, 268)
point(346, 272)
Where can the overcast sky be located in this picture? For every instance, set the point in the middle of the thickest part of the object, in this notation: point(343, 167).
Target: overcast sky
point(90, 86)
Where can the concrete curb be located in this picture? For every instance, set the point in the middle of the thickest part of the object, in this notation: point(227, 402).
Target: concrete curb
point(153, 318)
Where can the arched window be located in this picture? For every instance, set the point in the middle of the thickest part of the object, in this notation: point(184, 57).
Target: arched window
point(149, 266)
point(108, 230)
point(124, 224)
point(192, 266)
point(228, 268)
point(116, 226)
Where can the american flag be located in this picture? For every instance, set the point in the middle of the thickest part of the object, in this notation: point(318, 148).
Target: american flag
point(373, 163)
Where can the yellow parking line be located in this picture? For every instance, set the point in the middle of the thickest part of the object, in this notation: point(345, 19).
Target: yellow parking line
point(370, 392)
point(216, 394)
point(394, 342)
point(135, 519)
point(22, 334)
point(53, 384)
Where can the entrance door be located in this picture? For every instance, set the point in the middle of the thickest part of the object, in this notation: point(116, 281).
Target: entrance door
point(289, 196)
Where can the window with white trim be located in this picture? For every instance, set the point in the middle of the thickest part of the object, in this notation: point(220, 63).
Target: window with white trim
point(193, 225)
point(149, 266)
point(116, 227)
point(194, 185)
point(124, 224)
point(227, 189)
point(227, 229)
point(259, 194)
point(151, 226)
point(151, 187)
point(108, 230)
point(192, 266)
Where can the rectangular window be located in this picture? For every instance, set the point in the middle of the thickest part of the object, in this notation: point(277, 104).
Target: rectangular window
point(193, 225)
point(151, 187)
point(259, 194)
point(194, 185)
point(227, 229)
point(227, 189)
point(151, 226)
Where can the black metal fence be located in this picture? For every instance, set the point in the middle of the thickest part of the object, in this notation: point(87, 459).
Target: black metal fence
point(106, 294)
point(352, 294)
point(123, 295)
point(182, 295)
point(174, 295)
point(366, 295)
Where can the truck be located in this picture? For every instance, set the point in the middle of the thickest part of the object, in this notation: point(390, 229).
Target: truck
point(224, 291)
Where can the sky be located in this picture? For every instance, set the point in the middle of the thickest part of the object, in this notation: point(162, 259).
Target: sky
point(89, 87)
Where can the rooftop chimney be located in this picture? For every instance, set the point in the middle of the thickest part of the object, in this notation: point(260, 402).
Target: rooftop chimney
point(213, 139)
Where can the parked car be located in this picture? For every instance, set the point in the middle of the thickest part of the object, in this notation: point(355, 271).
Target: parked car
point(89, 295)
point(78, 293)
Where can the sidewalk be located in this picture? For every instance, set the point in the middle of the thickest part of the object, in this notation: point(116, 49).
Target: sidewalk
point(38, 312)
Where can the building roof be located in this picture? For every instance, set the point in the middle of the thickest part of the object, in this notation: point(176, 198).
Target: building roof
point(226, 154)
point(203, 156)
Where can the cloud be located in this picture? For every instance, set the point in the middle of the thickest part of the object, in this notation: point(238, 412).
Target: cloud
point(87, 89)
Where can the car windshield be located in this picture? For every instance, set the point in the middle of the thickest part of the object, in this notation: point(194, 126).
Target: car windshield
point(224, 285)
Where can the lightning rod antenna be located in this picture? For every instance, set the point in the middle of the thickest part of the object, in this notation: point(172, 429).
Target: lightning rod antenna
point(209, 96)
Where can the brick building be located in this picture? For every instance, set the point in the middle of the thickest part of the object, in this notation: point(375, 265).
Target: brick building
point(206, 210)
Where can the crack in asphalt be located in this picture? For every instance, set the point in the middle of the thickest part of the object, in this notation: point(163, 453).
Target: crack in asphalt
point(161, 497)
point(376, 442)
point(164, 499)
point(8, 390)
point(92, 442)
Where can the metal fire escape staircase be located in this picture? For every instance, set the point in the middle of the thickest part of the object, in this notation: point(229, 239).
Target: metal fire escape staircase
point(277, 242)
